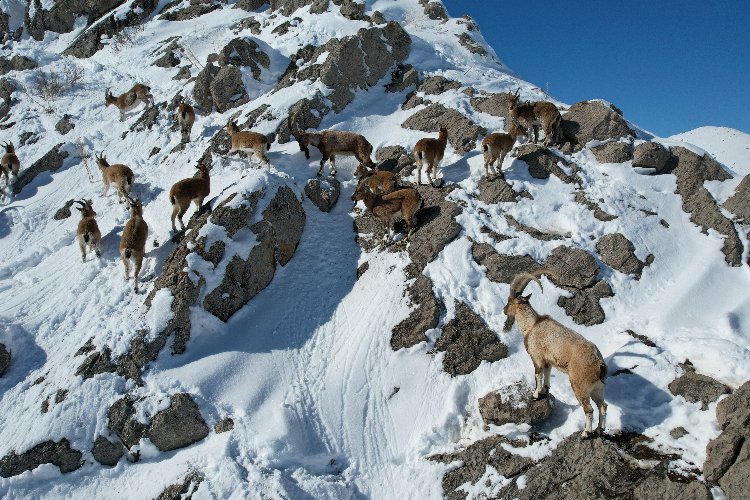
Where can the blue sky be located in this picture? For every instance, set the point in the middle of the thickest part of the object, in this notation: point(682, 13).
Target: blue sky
point(670, 66)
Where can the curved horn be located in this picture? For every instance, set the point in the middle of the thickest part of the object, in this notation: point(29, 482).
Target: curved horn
point(292, 123)
point(522, 279)
point(80, 203)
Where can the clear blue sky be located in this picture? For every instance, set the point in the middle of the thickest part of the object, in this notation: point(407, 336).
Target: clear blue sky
point(670, 66)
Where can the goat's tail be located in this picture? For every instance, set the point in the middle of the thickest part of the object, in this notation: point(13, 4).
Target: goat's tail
point(602, 371)
point(86, 237)
point(419, 155)
point(127, 253)
point(173, 200)
point(485, 148)
point(268, 146)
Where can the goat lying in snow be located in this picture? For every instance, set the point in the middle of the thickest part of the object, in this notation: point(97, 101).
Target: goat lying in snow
point(405, 202)
point(551, 344)
point(330, 143)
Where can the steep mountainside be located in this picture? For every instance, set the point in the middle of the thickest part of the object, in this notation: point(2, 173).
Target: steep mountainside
point(283, 346)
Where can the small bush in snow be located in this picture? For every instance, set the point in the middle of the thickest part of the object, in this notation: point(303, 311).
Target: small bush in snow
point(52, 84)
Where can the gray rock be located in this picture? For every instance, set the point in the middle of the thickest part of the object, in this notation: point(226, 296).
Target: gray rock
point(436, 85)
point(96, 363)
point(7, 88)
point(64, 125)
point(249, 5)
point(467, 341)
point(61, 17)
point(695, 387)
point(666, 489)
point(542, 162)
point(734, 482)
point(49, 452)
point(4, 359)
point(287, 7)
point(654, 155)
point(678, 432)
point(618, 252)
point(501, 268)
point(245, 52)
point(323, 194)
point(462, 132)
point(394, 159)
point(722, 452)
point(196, 8)
point(572, 267)
point(182, 489)
point(378, 17)
point(474, 461)
point(495, 190)
point(739, 203)
point(287, 218)
point(531, 231)
point(16, 63)
point(226, 424)
point(582, 199)
point(411, 331)
point(170, 56)
point(202, 97)
point(106, 452)
point(470, 44)
point(227, 89)
point(437, 227)
point(583, 306)
point(51, 161)
point(513, 405)
point(593, 120)
point(613, 152)
point(734, 409)
point(402, 78)
point(178, 426)
point(492, 104)
point(434, 10)
point(351, 9)
point(123, 423)
point(692, 171)
point(309, 114)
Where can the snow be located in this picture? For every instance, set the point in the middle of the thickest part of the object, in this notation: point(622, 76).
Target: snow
point(305, 370)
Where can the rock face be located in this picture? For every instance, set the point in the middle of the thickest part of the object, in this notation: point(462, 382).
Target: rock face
point(495, 190)
point(695, 387)
point(692, 171)
point(728, 456)
point(492, 104)
point(49, 452)
point(462, 132)
point(123, 423)
point(6, 91)
point(467, 341)
point(394, 159)
point(16, 63)
point(739, 203)
point(436, 85)
point(654, 155)
point(542, 162)
point(4, 359)
point(501, 268)
point(323, 193)
point(106, 452)
point(51, 161)
point(287, 7)
point(244, 52)
point(64, 125)
point(513, 405)
point(613, 152)
point(227, 89)
point(182, 489)
point(593, 120)
point(411, 331)
point(179, 425)
point(352, 62)
point(618, 252)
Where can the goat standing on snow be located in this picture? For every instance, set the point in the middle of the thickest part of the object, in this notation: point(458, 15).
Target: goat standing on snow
point(187, 190)
point(531, 115)
point(551, 344)
point(10, 163)
point(118, 174)
point(89, 235)
point(130, 99)
point(430, 151)
point(133, 241)
point(185, 118)
point(330, 143)
point(496, 146)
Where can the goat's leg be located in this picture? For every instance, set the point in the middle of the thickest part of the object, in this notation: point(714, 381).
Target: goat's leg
point(333, 165)
point(126, 263)
point(499, 165)
point(182, 212)
point(539, 379)
point(136, 272)
point(175, 210)
point(82, 246)
point(597, 394)
point(106, 190)
point(419, 170)
point(582, 395)
point(98, 249)
point(322, 163)
point(429, 173)
point(545, 387)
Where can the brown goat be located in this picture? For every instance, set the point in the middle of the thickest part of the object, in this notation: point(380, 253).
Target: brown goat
point(249, 142)
point(430, 151)
point(379, 182)
point(130, 99)
point(185, 118)
point(330, 143)
point(496, 146)
point(531, 115)
point(118, 174)
point(133, 241)
point(192, 189)
point(551, 344)
point(88, 233)
point(10, 163)
point(405, 202)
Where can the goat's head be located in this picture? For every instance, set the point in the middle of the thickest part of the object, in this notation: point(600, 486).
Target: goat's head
point(361, 192)
point(513, 98)
point(108, 97)
point(303, 139)
point(443, 134)
point(86, 208)
point(204, 167)
point(136, 207)
point(101, 160)
point(9, 148)
point(515, 297)
point(232, 127)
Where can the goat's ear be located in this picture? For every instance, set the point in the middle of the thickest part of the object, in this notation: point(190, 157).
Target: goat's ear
point(79, 209)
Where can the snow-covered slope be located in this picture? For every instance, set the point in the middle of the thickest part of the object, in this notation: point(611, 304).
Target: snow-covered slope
point(322, 406)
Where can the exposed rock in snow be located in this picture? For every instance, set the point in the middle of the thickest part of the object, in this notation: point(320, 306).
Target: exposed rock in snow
point(495, 190)
point(107, 452)
point(462, 132)
point(16, 63)
point(50, 162)
point(502, 268)
point(123, 422)
point(323, 194)
point(492, 104)
point(394, 159)
point(513, 405)
point(244, 52)
point(49, 452)
point(183, 489)
point(64, 125)
point(411, 331)
point(226, 424)
point(739, 203)
point(654, 155)
point(179, 425)
point(593, 120)
point(695, 387)
point(618, 252)
point(613, 152)
point(436, 85)
point(174, 11)
point(542, 162)
point(227, 89)
point(4, 359)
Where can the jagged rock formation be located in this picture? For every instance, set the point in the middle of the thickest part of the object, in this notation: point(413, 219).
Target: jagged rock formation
point(501, 268)
point(49, 452)
point(50, 162)
point(426, 315)
point(618, 252)
point(739, 203)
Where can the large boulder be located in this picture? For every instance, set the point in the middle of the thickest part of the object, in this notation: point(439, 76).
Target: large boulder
point(513, 404)
point(4, 359)
point(16, 63)
point(323, 193)
point(495, 190)
point(244, 52)
point(502, 268)
point(593, 120)
point(462, 132)
point(49, 452)
point(394, 159)
point(695, 387)
point(122, 421)
point(107, 452)
point(613, 152)
point(287, 7)
point(178, 426)
point(61, 17)
point(543, 161)
point(425, 316)
point(618, 252)
point(492, 104)
point(227, 89)
point(572, 267)
point(467, 341)
point(739, 202)
point(654, 155)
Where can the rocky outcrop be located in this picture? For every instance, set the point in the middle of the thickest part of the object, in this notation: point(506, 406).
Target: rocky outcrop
point(467, 341)
point(16, 63)
point(531, 231)
point(739, 202)
point(470, 44)
point(542, 162)
point(107, 452)
point(287, 7)
point(353, 62)
point(426, 315)
point(593, 120)
point(182, 489)
point(654, 155)
point(395, 159)
point(227, 89)
point(323, 193)
point(513, 404)
point(436, 85)
point(403, 77)
point(4, 359)
point(495, 190)
point(174, 11)
point(462, 132)
point(582, 199)
point(492, 104)
point(61, 16)
point(728, 456)
point(501, 268)
point(226, 424)
point(692, 171)
point(122, 422)
point(618, 252)
point(695, 387)
point(613, 152)
point(49, 452)
point(51, 161)
point(309, 113)
point(6, 91)
point(64, 125)
point(245, 53)
point(178, 426)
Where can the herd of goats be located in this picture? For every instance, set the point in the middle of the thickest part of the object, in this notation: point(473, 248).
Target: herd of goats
point(548, 343)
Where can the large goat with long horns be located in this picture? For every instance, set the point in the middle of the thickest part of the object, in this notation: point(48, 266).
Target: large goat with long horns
point(330, 143)
point(531, 115)
point(551, 344)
